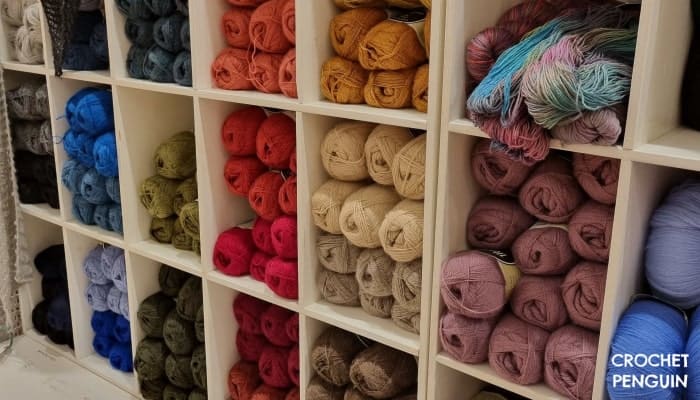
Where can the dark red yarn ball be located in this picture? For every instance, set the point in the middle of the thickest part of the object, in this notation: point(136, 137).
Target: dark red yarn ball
point(233, 251)
point(247, 311)
point(240, 130)
point(288, 196)
point(264, 193)
point(291, 327)
point(250, 346)
point(258, 265)
point(272, 322)
point(284, 236)
point(484, 48)
point(276, 141)
point(241, 172)
point(262, 235)
point(273, 367)
point(293, 365)
point(282, 277)
point(293, 161)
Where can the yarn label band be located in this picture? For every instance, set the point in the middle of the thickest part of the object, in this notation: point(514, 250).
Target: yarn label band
point(648, 362)
point(413, 18)
point(543, 225)
point(506, 262)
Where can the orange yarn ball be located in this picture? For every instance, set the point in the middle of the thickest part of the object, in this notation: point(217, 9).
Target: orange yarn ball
point(289, 24)
point(243, 378)
point(264, 72)
point(288, 74)
point(265, 392)
point(266, 32)
point(231, 70)
point(288, 196)
point(235, 24)
point(263, 195)
point(343, 81)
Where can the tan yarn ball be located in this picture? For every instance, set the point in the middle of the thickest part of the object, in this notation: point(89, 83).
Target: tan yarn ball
point(350, 27)
point(419, 94)
point(382, 372)
point(353, 394)
point(363, 213)
point(405, 318)
point(343, 151)
point(408, 169)
point(319, 389)
point(337, 254)
point(375, 270)
point(381, 147)
point(401, 232)
point(350, 4)
point(332, 354)
point(406, 284)
point(390, 89)
point(377, 306)
point(343, 81)
point(409, 4)
point(391, 45)
point(336, 288)
point(327, 201)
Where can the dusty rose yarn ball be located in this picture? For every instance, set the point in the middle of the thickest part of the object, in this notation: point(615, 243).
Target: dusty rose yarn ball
point(544, 250)
point(516, 350)
point(466, 339)
point(569, 361)
point(495, 222)
point(538, 301)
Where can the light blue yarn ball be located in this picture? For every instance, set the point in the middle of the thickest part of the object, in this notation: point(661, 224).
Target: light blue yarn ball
point(113, 298)
point(692, 347)
point(97, 296)
point(93, 267)
point(102, 216)
point(109, 256)
point(105, 154)
point(93, 188)
point(72, 174)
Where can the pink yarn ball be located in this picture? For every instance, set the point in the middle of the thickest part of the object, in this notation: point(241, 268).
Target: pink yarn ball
point(247, 310)
point(293, 365)
point(284, 236)
point(544, 251)
point(466, 339)
point(537, 300)
point(273, 367)
point(570, 358)
point(282, 277)
point(516, 350)
point(233, 251)
point(258, 264)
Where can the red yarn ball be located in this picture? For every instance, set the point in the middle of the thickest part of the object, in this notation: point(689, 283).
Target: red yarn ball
point(293, 394)
point(276, 141)
point(293, 365)
point(263, 195)
point(272, 322)
point(231, 69)
point(241, 172)
point(250, 346)
point(247, 311)
point(264, 72)
point(265, 28)
point(240, 130)
point(291, 327)
point(262, 235)
point(284, 236)
point(273, 367)
point(233, 251)
point(258, 265)
point(243, 378)
point(282, 277)
point(288, 196)
point(293, 161)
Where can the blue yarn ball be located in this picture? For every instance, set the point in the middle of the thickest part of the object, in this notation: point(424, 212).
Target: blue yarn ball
point(182, 69)
point(672, 259)
point(93, 188)
point(102, 216)
point(83, 210)
point(692, 348)
point(85, 23)
point(115, 219)
point(86, 144)
point(185, 35)
point(646, 327)
point(58, 316)
point(102, 322)
point(105, 154)
point(139, 31)
point(72, 143)
point(135, 61)
point(122, 330)
point(82, 57)
point(120, 357)
point(112, 185)
point(97, 296)
point(109, 256)
point(124, 306)
point(72, 174)
point(158, 65)
point(95, 113)
point(161, 7)
point(72, 105)
point(116, 271)
point(113, 298)
point(92, 266)
point(166, 32)
point(135, 9)
point(103, 345)
point(98, 42)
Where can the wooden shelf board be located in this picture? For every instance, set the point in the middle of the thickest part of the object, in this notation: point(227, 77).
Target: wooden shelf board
point(409, 118)
point(96, 233)
point(679, 148)
point(38, 69)
point(143, 84)
point(43, 340)
point(102, 77)
point(248, 285)
point(184, 260)
point(42, 211)
point(100, 366)
point(251, 97)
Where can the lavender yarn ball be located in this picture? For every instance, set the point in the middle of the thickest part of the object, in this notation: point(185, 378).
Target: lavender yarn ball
point(93, 267)
point(109, 256)
point(124, 305)
point(113, 298)
point(97, 296)
point(118, 273)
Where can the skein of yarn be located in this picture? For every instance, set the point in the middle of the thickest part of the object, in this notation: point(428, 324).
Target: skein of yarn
point(240, 129)
point(289, 20)
point(241, 172)
point(318, 389)
point(390, 89)
point(178, 334)
point(495, 223)
point(158, 65)
point(272, 323)
point(391, 45)
point(405, 318)
point(401, 232)
point(182, 68)
point(327, 202)
point(284, 236)
point(377, 306)
point(262, 196)
point(375, 271)
point(590, 231)
point(276, 140)
point(166, 32)
point(544, 250)
point(333, 353)
point(162, 229)
point(583, 291)
point(408, 169)
point(343, 81)
point(152, 313)
point(149, 360)
point(347, 30)
point(282, 277)
point(538, 300)
point(235, 24)
point(336, 253)
point(157, 194)
point(495, 171)
point(105, 154)
point(419, 93)
point(273, 367)
point(247, 311)
point(178, 372)
point(262, 235)
point(406, 284)
point(171, 280)
point(551, 193)
point(250, 345)
point(516, 350)
point(287, 196)
point(569, 361)
point(337, 288)
point(597, 176)
point(175, 158)
point(189, 299)
point(382, 372)
point(342, 151)
point(264, 72)
point(287, 79)
point(363, 212)
point(466, 339)
point(266, 30)
point(231, 69)
point(243, 379)
point(381, 146)
point(186, 193)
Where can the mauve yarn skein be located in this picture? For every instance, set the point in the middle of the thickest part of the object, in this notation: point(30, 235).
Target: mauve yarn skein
point(250, 345)
point(199, 325)
point(495, 223)
point(406, 284)
point(158, 65)
point(495, 171)
point(569, 361)
point(391, 45)
point(408, 169)
point(198, 365)
point(318, 389)
point(265, 29)
point(332, 354)
point(583, 291)
point(233, 251)
point(166, 32)
point(157, 194)
point(377, 306)
point(327, 202)
point(264, 71)
point(247, 311)
point(243, 378)
point(189, 299)
point(342, 151)
point(538, 301)
point(405, 318)
point(289, 20)
point(516, 350)
point(590, 231)
point(291, 328)
point(175, 158)
point(275, 140)
point(240, 130)
point(551, 193)
point(272, 322)
point(284, 236)
point(287, 196)
point(382, 145)
point(598, 176)
point(390, 89)
point(273, 366)
point(235, 24)
point(241, 172)
point(178, 334)
point(337, 288)
point(281, 276)
point(182, 68)
point(348, 28)
point(152, 313)
point(375, 270)
point(178, 372)
point(401, 232)
point(544, 250)
point(149, 360)
point(266, 392)
point(336, 253)
point(102, 322)
point(343, 81)
point(262, 196)
point(382, 372)
point(97, 296)
point(474, 285)
point(363, 212)
point(92, 266)
point(466, 339)
point(231, 69)
point(600, 127)
point(287, 78)
point(484, 49)
point(139, 32)
point(258, 265)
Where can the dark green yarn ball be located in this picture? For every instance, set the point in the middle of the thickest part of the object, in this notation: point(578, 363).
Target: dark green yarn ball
point(149, 360)
point(178, 371)
point(153, 312)
point(189, 299)
point(198, 365)
point(172, 392)
point(153, 389)
point(199, 325)
point(178, 334)
point(171, 280)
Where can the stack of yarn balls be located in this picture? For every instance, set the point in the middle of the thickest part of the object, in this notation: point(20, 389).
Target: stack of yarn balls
point(381, 60)
point(261, 52)
point(262, 168)
point(51, 316)
point(170, 196)
point(23, 30)
point(524, 88)
point(349, 367)
point(32, 142)
point(105, 269)
point(538, 311)
point(87, 49)
point(91, 172)
point(370, 213)
point(170, 361)
point(159, 32)
point(268, 345)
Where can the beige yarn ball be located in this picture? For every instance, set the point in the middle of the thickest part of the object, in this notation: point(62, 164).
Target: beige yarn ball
point(408, 169)
point(376, 306)
point(401, 232)
point(337, 254)
point(343, 151)
point(363, 212)
point(406, 284)
point(341, 289)
point(327, 201)
point(375, 270)
point(381, 147)
point(405, 318)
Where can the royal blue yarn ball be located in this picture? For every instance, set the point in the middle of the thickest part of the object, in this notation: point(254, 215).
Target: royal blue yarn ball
point(692, 348)
point(102, 322)
point(71, 143)
point(93, 188)
point(103, 345)
point(105, 154)
point(86, 144)
point(112, 185)
point(120, 357)
point(122, 330)
point(102, 216)
point(115, 219)
point(646, 327)
point(83, 210)
point(95, 112)
point(72, 174)
point(72, 105)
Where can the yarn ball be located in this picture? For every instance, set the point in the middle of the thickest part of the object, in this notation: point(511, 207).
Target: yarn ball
point(185, 33)
point(665, 332)
point(390, 89)
point(538, 300)
point(135, 60)
point(250, 345)
point(93, 189)
point(337, 288)
point(110, 254)
point(113, 298)
point(39, 314)
point(122, 330)
point(391, 45)
point(516, 350)
point(598, 176)
point(419, 92)
point(408, 169)
point(266, 30)
point(233, 251)
point(158, 65)
point(83, 210)
point(375, 271)
point(171, 280)
point(51, 262)
point(342, 151)
point(348, 28)
point(166, 32)
point(92, 266)
point(569, 361)
point(103, 345)
point(247, 311)
point(264, 72)
point(332, 354)
point(291, 328)
point(273, 367)
point(318, 389)
point(94, 113)
point(58, 315)
point(235, 24)
point(336, 253)
point(231, 69)
point(189, 299)
point(382, 372)
point(406, 284)
point(276, 140)
point(157, 194)
point(590, 231)
point(293, 394)
point(139, 31)
point(343, 81)
point(189, 218)
point(350, 4)
point(473, 284)
point(198, 365)
point(484, 48)
point(287, 78)
point(72, 143)
point(152, 389)
point(199, 325)
point(544, 250)
point(287, 196)
point(105, 154)
point(182, 68)
point(327, 202)
point(97, 296)
point(240, 130)
point(262, 196)
point(178, 371)
point(84, 150)
point(243, 379)
point(283, 234)
point(496, 222)
point(262, 235)
point(113, 190)
point(102, 322)
point(186, 193)
point(241, 172)
point(172, 392)
point(289, 20)
point(28, 45)
point(551, 193)
point(117, 271)
point(363, 212)
point(175, 158)
point(266, 392)
point(602, 127)
point(149, 360)
point(281, 276)
point(495, 171)
point(466, 339)
point(33, 136)
point(162, 229)
point(181, 240)
point(178, 334)
point(583, 291)
point(272, 323)
point(377, 306)
point(405, 318)
point(153, 312)
point(382, 145)
point(160, 7)
point(401, 232)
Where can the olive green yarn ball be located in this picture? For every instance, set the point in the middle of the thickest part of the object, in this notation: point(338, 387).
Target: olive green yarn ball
point(197, 394)
point(153, 312)
point(176, 158)
point(153, 389)
point(178, 334)
point(171, 280)
point(162, 229)
point(181, 240)
point(178, 371)
point(157, 194)
point(189, 299)
point(149, 360)
point(172, 392)
point(186, 193)
point(189, 218)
